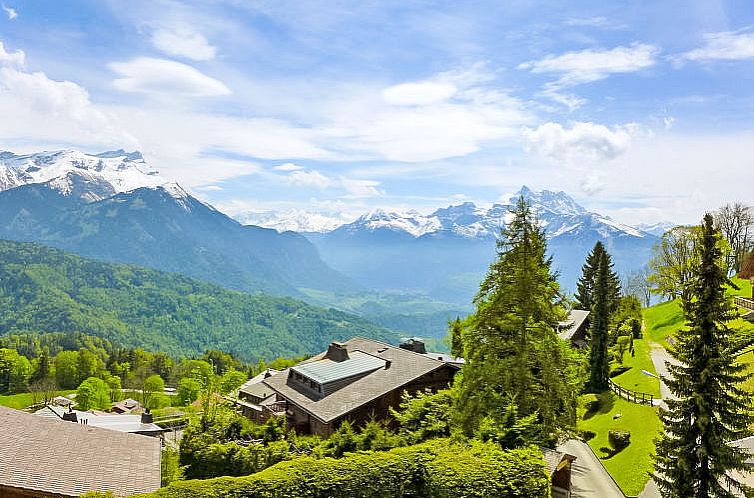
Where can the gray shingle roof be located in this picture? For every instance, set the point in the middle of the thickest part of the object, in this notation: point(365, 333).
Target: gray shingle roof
point(326, 370)
point(123, 423)
point(405, 366)
point(52, 456)
point(572, 324)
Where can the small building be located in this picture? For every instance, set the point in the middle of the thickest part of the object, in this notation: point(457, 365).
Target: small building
point(62, 401)
point(357, 380)
point(559, 466)
point(42, 457)
point(135, 424)
point(127, 405)
point(257, 400)
point(575, 327)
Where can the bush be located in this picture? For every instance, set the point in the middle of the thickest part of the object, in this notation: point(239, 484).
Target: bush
point(438, 469)
point(588, 435)
point(619, 439)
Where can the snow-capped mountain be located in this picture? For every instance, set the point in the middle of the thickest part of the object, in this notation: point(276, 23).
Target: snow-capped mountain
point(294, 220)
point(91, 177)
point(445, 253)
point(656, 229)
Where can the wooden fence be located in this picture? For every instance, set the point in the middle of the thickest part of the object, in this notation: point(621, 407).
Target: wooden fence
point(744, 302)
point(633, 396)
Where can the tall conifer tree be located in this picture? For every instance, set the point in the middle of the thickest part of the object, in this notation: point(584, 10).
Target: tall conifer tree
point(585, 287)
point(710, 409)
point(599, 364)
point(512, 352)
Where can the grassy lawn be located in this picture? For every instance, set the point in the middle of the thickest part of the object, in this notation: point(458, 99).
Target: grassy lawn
point(748, 359)
point(24, 400)
point(664, 319)
point(633, 379)
point(632, 466)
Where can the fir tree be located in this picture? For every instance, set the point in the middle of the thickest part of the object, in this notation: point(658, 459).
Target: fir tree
point(585, 287)
point(510, 344)
point(710, 409)
point(599, 365)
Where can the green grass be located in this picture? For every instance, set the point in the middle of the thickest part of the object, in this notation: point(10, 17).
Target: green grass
point(665, 319)
point(632, 466)
point(633, 379)
point(24, 400)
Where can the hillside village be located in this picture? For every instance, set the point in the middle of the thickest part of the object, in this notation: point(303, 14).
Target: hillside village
point(392, 249)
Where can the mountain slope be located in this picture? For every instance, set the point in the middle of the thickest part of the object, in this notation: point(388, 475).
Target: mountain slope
point(167, 229)
point(48, 290)
point(445, 254)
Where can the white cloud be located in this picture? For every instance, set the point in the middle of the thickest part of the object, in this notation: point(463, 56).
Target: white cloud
point(582, 142)
point(162, 76)
point(725, 45)
point(309, 179)
point(590, 65)
point(423, 93)
point(183, 41)
point(361, 188)
point(16, 58)
point(288, 167)
point(10, 12)
point(36, 107)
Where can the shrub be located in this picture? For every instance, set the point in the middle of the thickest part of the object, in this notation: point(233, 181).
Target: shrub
point(437, 469)
point(619, 439)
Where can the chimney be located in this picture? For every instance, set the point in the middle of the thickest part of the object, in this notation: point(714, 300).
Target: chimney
point(337, 351)
point(70, 416)
point(413, 344)
point(147, 417)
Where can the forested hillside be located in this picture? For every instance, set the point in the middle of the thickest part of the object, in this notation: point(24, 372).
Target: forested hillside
point(48, 290)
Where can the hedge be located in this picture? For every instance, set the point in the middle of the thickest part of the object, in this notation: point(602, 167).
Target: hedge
point(438, 469)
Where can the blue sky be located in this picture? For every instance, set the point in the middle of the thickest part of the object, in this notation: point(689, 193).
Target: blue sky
point(640, 110)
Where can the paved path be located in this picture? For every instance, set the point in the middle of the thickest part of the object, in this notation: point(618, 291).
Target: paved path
point(588, 476)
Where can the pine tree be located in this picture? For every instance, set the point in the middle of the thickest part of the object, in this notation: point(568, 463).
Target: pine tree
point(710, 409)
point(511, 349)
point(585, 286)
point(599, 365)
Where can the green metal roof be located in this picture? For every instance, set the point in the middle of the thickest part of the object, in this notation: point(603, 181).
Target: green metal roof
point(326, 371)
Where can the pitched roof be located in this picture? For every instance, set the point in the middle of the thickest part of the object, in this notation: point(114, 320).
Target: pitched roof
point(573, 323)
point(399, 367)
point(553, 458)
point(68, 459)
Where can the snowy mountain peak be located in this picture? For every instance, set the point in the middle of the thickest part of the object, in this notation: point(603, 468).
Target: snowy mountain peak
point(411, 222)
point(90, 176)
point(549, 201)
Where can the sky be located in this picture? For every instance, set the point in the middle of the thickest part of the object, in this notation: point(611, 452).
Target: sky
point(641, 110)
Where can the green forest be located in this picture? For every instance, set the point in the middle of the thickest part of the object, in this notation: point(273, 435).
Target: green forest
point(45, 290)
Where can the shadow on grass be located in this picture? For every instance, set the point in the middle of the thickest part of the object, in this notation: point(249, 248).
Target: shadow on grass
point(604, 404)
point(610, 452)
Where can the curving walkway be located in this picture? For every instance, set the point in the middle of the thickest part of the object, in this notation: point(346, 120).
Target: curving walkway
point(589, 479)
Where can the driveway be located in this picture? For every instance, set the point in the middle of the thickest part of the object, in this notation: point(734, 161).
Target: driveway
point(589, 479)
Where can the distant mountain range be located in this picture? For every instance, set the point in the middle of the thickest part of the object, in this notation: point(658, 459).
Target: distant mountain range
point(445, 254)
point(113, 207)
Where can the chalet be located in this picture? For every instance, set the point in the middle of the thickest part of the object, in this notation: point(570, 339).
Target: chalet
point(558, 466)
point(575, 327)
point(356, 380)
point(258, 401)
point(42, 457)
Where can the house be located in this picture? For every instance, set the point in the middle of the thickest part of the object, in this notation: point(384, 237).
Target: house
point(63, 401)
point(256, 400)
point(575, 327)
point(356, 380)
point(135, 424)
point(42, 457)
point(558, 466)
point(127, 405)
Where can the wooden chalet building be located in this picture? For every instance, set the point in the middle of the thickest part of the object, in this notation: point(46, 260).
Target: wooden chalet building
point(356, 380)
